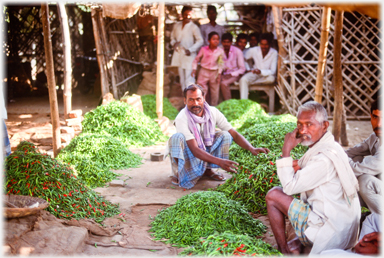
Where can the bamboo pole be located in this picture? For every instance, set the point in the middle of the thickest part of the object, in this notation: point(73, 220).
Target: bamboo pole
point(160, 62)
point(107, 60)
point(337, 76)
point(100, 54)
point(280, 43)
point(67, 95)
point(50, 71)
point(322, 53)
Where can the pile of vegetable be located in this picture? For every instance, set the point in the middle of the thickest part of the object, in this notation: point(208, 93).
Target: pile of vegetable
point(201, 214)
point(28, 172)
point(149, 107)
point(257, 174)
point(93, 156)
point(237, 111)
point(125, 123)
point(229, 244)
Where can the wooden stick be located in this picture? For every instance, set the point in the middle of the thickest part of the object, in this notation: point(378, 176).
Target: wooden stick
point(338, 76)
point(50, 71)
point(67, 94)
point(160, 62)
point(99, 52)
point(280, 42)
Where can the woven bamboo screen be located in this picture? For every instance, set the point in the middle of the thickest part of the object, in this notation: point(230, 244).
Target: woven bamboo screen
point(360, 61)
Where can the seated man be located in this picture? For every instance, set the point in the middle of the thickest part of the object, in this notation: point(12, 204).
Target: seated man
point(328, 213)
point(234, 65)
point(264, 68)
point(197, 147)
point(364, 159)
point(253, 42)
point(369, 241)
point(241, 43)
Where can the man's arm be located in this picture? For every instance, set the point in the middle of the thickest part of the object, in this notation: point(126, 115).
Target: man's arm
point(198, 37)
point(227, 165)
point(243, 143)
point(240, 64)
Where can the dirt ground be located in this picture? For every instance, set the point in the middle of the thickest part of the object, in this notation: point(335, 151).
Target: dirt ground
point(146, 189)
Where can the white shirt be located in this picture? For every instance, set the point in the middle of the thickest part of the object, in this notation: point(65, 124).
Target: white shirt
point(190, 38)
point(3, 110)
point(332, 223)
point(364, 157)
point(208, 28)
point(267, 65)
point(218, 119)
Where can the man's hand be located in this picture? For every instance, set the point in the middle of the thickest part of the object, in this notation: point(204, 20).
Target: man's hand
point(226, 76)
point(256, 71)
point(176, 45)
point(369, 244)
point(193, 73)
point(256, 151)
point(290, 142)
point(228, 165)
point(187, 52)
point(295, 165)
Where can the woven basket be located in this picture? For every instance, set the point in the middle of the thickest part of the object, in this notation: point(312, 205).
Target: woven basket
point(23, 202)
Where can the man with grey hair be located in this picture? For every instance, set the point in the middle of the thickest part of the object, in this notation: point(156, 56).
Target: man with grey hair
point(327, 215)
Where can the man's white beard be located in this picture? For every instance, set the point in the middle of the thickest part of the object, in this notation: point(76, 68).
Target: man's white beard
point(307, 142)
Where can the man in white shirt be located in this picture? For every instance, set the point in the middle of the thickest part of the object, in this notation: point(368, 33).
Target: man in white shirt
point(369, 240)
point(327, 216)
point(212, 25)
point(253, 42)
point(197, 147)
point(264, 68)
point(364, 159)
point(186, 40)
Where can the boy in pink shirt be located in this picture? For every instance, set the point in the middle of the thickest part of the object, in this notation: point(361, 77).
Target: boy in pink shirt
point(211, 59)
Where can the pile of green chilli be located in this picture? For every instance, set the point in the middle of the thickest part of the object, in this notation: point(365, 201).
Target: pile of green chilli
point(28, 172)
point(229, 244)
point(125, 123)
point(201, 214)
point(93, 156)
point(149, 107)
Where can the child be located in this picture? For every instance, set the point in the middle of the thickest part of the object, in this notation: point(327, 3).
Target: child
point(211, 60)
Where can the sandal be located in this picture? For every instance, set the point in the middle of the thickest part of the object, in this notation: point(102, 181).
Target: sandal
point(175, 183)
point(217, 176)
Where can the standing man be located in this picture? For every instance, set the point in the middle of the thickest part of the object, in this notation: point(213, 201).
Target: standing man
point(364, 159)
point(212, 25)
point(327, 216)
point(264, 68)
point(186, 40)
point(234, 65)
point(197, 147)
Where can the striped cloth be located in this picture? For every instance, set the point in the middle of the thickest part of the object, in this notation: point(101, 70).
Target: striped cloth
point(298, 215)
point(187, 168)
point(7, 144)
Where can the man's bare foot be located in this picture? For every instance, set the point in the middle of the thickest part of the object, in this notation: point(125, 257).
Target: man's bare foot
point(295, 246)
point(215, 176)
point(175, 181)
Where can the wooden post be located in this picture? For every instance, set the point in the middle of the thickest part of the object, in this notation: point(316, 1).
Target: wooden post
point(107, 59)
point(322, 53)
point(50, 71)
point(160, 62)
point(67, 95)
point(100, 54)
point(337, 76)
point(280, 43)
